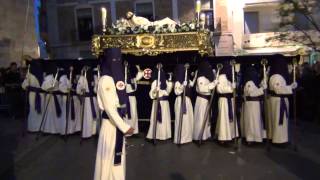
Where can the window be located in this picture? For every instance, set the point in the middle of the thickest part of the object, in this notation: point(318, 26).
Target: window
point(251, 22)
point(144, 9)
point(84, 24)
point(209, 19)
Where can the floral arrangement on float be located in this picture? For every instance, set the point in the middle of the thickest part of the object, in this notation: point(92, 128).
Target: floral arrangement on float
point(119, 29)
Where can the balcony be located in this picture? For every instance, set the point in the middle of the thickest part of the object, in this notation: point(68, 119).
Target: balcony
point(278, 42)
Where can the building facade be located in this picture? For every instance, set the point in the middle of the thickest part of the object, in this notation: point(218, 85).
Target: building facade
point(71, 23)
point(240, 26)
point(17, 38)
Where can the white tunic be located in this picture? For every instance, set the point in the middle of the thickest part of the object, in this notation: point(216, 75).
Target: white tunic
point(133, 122)
point(251, 117)
point(51, 121)
point(77, 120)
point(187, 119)
point(64, 86)
point(130, 88)
point(225, 129)
point(34, 118)
point(164, 128)
point(278, 133)
point(89, 122)
point(108, 101)
point(200, 108)
point(98, 112)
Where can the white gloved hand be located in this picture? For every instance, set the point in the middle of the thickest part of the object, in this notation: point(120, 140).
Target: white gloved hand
point(213, 84)
point(185, 83)
point(294, 85)
point(216, 82)
point(170, 77)
point(191, 84)
point(263, 85)
point(234, 85)
point(139, 75)
point(27, 80)
point(154, 92)
point(138, 68)
point(181, 88)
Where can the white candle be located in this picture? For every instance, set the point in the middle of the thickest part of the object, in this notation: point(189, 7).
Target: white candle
point(202, 20)
point(198, 9)
point(198, 6)
point(104, 18)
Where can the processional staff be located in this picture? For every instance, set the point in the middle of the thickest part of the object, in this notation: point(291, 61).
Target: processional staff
point(156, 106)
point(183, 103)
point(235, 69)
point(295, 139)
point(68, 102)
point(83, 91)
point(264, 63)
point(208, 107)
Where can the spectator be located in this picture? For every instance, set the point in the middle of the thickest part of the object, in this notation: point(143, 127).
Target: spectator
point(12, 81)
point(2, 72)
point(316, 87)
point(307, 92)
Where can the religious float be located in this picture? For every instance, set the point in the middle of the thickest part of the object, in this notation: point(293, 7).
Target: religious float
point(138, 36)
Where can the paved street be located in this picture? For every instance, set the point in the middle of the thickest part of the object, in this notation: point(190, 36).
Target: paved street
point(52, 158)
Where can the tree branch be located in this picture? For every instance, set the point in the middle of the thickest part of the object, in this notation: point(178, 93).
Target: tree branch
point(309, 17)
point(313, 44)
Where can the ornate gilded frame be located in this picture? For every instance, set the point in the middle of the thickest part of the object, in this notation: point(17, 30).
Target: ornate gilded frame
point(155, 44)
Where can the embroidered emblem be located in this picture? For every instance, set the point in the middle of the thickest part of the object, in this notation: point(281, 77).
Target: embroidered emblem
point(147, 73)
point(120, 85)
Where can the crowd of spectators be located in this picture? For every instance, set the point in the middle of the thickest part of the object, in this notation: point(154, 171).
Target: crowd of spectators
point(11, 93)
point(308, 93)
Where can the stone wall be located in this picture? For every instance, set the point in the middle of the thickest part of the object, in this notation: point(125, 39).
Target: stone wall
point(12, 23)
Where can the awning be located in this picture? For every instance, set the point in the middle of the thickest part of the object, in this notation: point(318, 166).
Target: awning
point(287, 50)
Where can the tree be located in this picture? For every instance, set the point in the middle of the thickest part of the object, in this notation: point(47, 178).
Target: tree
point(300, 22)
